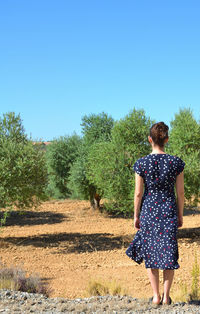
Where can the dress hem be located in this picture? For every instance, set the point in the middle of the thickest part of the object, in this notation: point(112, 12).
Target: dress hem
point(154, 267)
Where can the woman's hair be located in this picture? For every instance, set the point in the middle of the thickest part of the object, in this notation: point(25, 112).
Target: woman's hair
point(159, 133)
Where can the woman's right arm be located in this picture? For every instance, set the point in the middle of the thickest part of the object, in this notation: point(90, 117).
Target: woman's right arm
point(139, 182)
point(180, 197)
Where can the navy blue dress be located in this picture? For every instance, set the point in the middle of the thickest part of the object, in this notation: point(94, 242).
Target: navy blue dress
point(156, 240)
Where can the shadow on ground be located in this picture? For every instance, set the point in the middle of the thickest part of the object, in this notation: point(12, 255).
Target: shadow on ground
point(32, 218)
point(72, 242)
point(189, 234)
point(191, 210)
point(79, 243)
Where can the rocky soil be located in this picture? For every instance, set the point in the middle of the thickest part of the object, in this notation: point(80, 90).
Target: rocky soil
point(22, 302)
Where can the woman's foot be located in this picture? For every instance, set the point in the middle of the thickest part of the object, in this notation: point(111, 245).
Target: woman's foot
point(166, 300)
point(156, 299)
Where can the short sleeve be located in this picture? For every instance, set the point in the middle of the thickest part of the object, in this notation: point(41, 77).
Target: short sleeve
point(180, 166)
point(137, 167)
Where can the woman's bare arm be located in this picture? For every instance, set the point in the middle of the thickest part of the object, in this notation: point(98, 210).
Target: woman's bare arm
point(180, 197)
point(139, 184)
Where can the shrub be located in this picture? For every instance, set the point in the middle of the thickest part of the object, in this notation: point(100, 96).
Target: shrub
point(15, 278)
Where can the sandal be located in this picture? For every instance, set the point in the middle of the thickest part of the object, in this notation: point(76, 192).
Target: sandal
point(151, 301)
point(170, 302)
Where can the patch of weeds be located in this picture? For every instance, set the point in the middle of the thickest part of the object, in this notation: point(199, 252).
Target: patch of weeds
point(15, 278)
point(99, 288)
point(185, 294)
point(6, 214)
point(195, 289)
point(181, 294)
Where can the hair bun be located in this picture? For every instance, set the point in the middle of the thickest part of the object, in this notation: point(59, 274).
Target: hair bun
point(159, 132)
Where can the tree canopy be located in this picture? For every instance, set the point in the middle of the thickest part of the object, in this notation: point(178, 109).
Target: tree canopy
point(184, 141)
point(61, 154)
point(98, 164)
point(23, 172)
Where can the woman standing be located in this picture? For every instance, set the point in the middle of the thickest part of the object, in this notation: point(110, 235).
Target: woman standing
point(157, 212)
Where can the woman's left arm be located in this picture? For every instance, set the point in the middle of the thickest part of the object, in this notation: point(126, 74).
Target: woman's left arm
point(139, 184)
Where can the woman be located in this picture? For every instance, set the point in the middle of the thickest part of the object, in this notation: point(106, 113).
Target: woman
point(157, 213)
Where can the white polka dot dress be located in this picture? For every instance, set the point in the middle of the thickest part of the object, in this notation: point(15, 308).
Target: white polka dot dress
point(156, 241)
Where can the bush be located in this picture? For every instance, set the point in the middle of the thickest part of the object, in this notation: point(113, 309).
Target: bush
point(15, 278)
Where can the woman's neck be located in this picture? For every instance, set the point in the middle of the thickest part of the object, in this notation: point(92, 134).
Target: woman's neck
point(158, 150)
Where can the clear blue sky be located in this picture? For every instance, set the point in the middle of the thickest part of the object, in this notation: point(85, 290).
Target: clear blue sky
point(62, 59)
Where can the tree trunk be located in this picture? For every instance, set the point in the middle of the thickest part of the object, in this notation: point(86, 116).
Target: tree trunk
point(95, 201)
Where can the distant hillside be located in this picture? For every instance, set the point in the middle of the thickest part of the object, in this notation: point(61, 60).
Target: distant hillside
point(42, 144)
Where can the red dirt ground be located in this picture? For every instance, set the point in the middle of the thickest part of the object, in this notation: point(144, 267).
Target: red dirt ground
point(67, 243)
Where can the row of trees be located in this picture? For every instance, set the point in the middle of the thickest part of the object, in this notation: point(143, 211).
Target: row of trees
point(96, 165)
point(99, 164)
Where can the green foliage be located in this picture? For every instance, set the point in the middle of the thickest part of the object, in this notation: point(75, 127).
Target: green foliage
point(131, 134)
point(184, 142)
point(99, 162)
point(78, 184)
point(95, 128)
point(6, 215)
point(11, 128)
point(109, 150)
point(23, 173)
point(61, 154)
point(110, 163)
point(108, 170)
point(184, 134)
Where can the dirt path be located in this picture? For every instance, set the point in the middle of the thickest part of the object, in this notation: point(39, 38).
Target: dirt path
point(68, 244)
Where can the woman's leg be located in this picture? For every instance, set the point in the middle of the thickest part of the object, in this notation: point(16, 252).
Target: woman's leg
point(154, 280)
point(168, 276)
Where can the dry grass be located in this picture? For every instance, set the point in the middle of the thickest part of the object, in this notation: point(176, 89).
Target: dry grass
point(7, 284)
point(181, 294)
point(99, 287)
point(185, 294)
point(195, 289)
point(15, 278)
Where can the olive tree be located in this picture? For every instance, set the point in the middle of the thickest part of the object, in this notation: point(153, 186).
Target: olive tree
point(23, 172)
point(61, 154)
point(184, 142)
point(110, 165)
point(95, 128)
